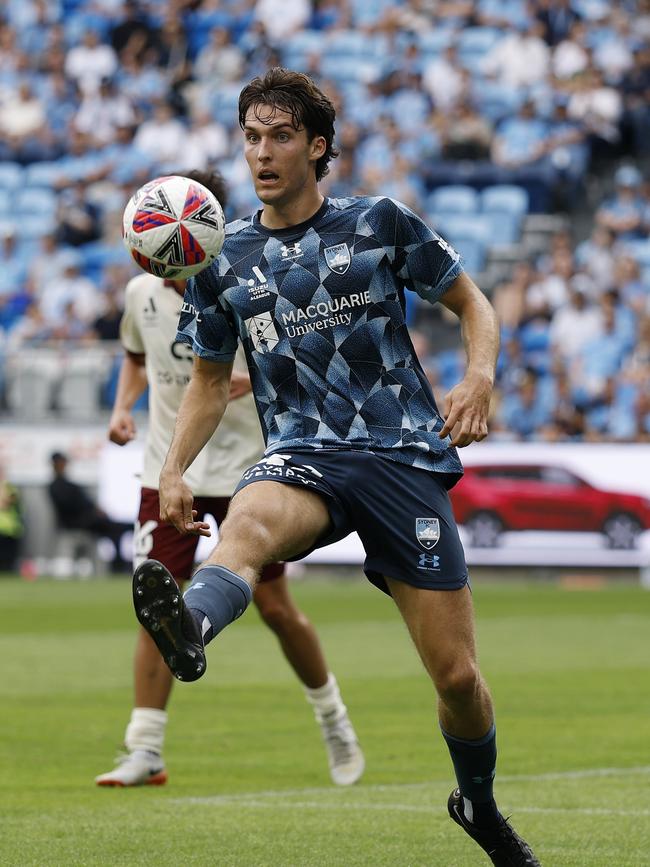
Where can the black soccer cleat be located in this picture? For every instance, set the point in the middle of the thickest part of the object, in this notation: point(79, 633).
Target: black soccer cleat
point(502, 843)
point(160, 608)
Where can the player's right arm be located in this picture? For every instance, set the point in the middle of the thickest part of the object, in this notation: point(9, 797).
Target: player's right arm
point(201, 410)
point(131, 384)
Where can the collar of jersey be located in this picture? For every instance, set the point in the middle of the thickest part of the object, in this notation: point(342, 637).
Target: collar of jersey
point(298, 230)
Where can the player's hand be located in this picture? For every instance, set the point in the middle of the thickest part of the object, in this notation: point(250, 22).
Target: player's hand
point(466, 409)
point(240, 384)
point(121, 427)
point(176, 501)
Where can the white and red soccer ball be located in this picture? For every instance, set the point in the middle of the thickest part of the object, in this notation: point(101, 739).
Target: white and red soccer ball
point(173, 227)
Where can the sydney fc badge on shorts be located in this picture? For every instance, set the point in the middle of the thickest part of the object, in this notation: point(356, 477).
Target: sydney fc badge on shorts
point(338, 258)
point(427, 531)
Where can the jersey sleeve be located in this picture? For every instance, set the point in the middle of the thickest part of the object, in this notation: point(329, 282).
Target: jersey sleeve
point(205, 323)
point(419, 257)
point(130, 336)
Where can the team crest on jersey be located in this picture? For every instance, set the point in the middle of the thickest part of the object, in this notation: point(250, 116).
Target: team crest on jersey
point(427, 532)
point(338, 258)
point(262, 332)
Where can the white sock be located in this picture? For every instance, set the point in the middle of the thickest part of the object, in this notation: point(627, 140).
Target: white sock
point(326, 700)
point(146, 730)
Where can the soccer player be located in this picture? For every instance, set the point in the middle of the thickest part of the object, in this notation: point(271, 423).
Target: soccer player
point(155, 358)
point(314, 290)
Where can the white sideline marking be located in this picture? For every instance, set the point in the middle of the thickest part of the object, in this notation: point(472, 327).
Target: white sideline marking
point(261, 799)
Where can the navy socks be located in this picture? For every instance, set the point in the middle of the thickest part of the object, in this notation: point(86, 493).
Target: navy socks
point(475, 766)
point(215, 598)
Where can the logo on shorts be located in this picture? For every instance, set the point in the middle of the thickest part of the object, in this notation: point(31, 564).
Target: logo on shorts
point(427, 532)
point(430, 562)
point(338, 258)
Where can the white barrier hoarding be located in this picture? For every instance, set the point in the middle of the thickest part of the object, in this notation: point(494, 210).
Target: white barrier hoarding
point(559, 504)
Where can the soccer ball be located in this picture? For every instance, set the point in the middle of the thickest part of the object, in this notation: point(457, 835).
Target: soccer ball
point(173, 227)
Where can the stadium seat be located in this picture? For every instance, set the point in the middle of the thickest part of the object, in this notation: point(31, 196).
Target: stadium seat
point(11, 175)
point(42, 174)
point(37, 225)
point(350, 68)
point(433, 42)
point(6, 201)
point(497, 100)
point(459, 227)
point(473, 255)
point(456, 198)
point(507, 198)
point(35, 201)
point(478, 40)
point(504, 228)
point(348, 43)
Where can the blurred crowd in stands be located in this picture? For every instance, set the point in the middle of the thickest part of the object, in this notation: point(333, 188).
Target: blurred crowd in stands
point(476, 113)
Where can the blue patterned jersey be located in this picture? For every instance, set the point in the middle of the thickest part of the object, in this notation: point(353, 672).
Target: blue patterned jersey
point(319, 308)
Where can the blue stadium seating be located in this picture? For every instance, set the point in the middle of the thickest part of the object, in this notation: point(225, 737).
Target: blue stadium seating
point(11, 175)
point(507, 198)
point(455, 198)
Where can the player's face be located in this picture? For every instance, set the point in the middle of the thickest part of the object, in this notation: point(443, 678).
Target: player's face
point(280, 157)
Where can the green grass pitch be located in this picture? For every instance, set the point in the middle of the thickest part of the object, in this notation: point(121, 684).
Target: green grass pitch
point(248, 785)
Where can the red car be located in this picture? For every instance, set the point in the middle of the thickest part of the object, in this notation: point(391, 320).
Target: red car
point(491, 499)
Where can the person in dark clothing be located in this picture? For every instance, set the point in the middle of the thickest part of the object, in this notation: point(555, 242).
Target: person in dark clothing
point(75, 510)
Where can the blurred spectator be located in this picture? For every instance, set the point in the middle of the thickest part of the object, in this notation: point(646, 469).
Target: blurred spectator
point(107, 326)
point(613, 55)
point(23, 124)
point(635, 87)
point(443, 78)
point(162, 136)
point(100, 114)
point(91, 62)
point(11, 524)
point(31, 329)
point(520, 140)
point(567, 421)
point(219, 62)
point(206, 140)
point(623, 213)
point(595, 256)
point(71, 295)
point(598, 107)
point(79, 220)
point(524, 412)
point(467, 134)
point(510, 297)
point(520, 59)
point(282, 19)
point(571, 55)
point(551, 290)
point(75, 510)
point(558, 17)
point(577, 323)
point(132, 34)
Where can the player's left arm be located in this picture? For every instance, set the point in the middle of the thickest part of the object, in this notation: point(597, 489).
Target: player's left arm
point(467, 406)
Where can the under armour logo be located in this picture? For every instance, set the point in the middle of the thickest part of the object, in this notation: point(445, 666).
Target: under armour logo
point(291, 251)
point(428, 561)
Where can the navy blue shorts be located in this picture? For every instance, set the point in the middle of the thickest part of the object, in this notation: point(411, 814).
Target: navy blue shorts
point(402, 513)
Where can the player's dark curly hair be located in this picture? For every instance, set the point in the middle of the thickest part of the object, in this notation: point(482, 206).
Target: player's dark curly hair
point(295, 93)
point(213, 180)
